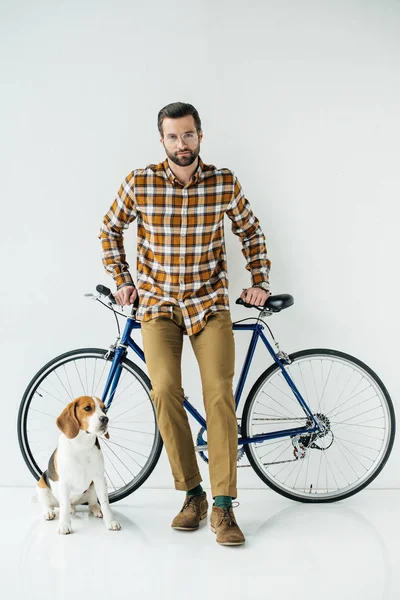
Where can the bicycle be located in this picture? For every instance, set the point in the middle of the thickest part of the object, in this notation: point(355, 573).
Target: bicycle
point(322, 455)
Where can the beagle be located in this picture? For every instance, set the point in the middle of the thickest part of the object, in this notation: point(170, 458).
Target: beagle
point(76, 468)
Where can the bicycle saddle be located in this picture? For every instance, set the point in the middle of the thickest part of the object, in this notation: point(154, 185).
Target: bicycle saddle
point(274, 303)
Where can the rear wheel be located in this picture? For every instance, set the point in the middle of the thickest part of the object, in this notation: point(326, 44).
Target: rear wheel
point(135, 443)
point(351, 404)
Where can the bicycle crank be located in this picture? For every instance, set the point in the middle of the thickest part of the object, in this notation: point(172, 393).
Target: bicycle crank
point(201, 446)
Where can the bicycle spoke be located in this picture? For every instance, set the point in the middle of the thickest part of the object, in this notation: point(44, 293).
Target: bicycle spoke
point(67, 392)
point(327, 380)
point(361, 423)
point(279, 455)
point(299, 472)
point(79, 377)
point(331, 471)
point(94, 377)
point(332, 413)
point(122, 439)
point(116, 455)
point(344, 388)
point(126, 448)
point(68, 382)
point(105, 471)
point(49, 394)
point(44, 413)
point(279, 403)
point(132, 430)
point(57, 391)
point(319, 471)
point(355, 443)
point(100, 378)
point(128, 410)
point(315, 385)
point(273, 449)
point(354, 453)
point(362, 413)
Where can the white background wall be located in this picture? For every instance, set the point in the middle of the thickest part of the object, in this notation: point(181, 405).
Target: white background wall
point(300, 99)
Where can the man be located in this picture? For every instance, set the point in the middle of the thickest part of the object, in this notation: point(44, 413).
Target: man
point(183, 289)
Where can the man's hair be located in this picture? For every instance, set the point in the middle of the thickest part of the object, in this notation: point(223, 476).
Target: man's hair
point(176, 110)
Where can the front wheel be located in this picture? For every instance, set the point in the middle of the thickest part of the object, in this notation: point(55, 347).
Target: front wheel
point(135, 443)
point(357, 419)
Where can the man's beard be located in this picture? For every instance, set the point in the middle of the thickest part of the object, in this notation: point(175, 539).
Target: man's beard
point(184, 160)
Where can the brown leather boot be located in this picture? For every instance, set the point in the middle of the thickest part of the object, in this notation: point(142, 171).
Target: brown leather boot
point(194, 509)
point(223, 523)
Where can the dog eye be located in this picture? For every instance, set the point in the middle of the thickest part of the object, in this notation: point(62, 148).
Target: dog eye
point(87, 408)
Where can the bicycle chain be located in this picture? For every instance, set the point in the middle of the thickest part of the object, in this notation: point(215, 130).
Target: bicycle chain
point(279, 462)
point(279, 419)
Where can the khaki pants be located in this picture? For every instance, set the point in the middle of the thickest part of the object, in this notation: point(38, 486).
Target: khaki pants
point(215, 353)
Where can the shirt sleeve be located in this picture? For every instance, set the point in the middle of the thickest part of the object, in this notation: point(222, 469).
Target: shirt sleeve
point(122, 212)
point(246, 225)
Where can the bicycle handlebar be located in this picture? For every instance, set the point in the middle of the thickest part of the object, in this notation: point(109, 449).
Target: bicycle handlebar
point(273, 303)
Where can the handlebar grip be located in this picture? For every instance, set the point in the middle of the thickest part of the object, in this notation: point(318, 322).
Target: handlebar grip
point(243, 303)
point(105, 291)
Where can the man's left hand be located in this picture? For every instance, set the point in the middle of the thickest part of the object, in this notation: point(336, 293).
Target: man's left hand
point(255, 295)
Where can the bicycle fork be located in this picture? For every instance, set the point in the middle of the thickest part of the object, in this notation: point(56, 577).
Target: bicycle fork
point(120, 353)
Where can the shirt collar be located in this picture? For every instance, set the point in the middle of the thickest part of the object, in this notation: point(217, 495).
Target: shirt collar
point(195, 177)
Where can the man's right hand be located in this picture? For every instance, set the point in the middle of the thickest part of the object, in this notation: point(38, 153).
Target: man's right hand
point(126, 295)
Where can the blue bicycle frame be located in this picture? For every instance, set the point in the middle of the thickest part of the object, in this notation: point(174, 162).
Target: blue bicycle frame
point(257, 329)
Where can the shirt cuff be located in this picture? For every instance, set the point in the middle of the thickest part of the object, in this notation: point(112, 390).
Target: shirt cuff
point(123, 279)
point(258, 280)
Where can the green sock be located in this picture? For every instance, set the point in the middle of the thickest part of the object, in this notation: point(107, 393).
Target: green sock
point(223, 501)
point(197, 491)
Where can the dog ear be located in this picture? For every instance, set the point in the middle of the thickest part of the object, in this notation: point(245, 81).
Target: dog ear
point(67, 421)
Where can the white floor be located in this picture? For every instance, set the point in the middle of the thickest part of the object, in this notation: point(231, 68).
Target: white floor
point(341, 551)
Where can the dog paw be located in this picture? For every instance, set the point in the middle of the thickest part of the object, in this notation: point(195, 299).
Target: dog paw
point(96, 510)
point(72, 510)
point(49, 514)
point(113, 525)
point(64, 528)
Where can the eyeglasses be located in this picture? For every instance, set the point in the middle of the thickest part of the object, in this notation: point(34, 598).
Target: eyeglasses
point(187, 138)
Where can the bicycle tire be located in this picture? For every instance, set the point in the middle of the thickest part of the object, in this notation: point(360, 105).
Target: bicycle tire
point(43, 375)
point(309, 495)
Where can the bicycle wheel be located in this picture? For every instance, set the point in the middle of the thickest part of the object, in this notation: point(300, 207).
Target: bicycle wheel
point(352, 403)
point(135, 443)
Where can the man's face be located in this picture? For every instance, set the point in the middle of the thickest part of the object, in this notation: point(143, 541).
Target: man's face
point(181, 140)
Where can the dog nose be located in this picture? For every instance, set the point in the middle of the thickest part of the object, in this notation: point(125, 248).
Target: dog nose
point(104, 420)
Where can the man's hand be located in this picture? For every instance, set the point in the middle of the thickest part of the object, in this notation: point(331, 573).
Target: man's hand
point(126, 295)
point(255, 295)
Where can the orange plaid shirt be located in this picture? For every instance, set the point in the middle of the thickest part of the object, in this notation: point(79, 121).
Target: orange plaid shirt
point(181, 257)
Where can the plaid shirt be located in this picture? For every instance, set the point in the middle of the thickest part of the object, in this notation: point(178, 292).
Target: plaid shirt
point(181, 257)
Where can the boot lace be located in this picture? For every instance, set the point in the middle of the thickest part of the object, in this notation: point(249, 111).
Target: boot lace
point(228, 514)
point(190, 504)
point(227, 517)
